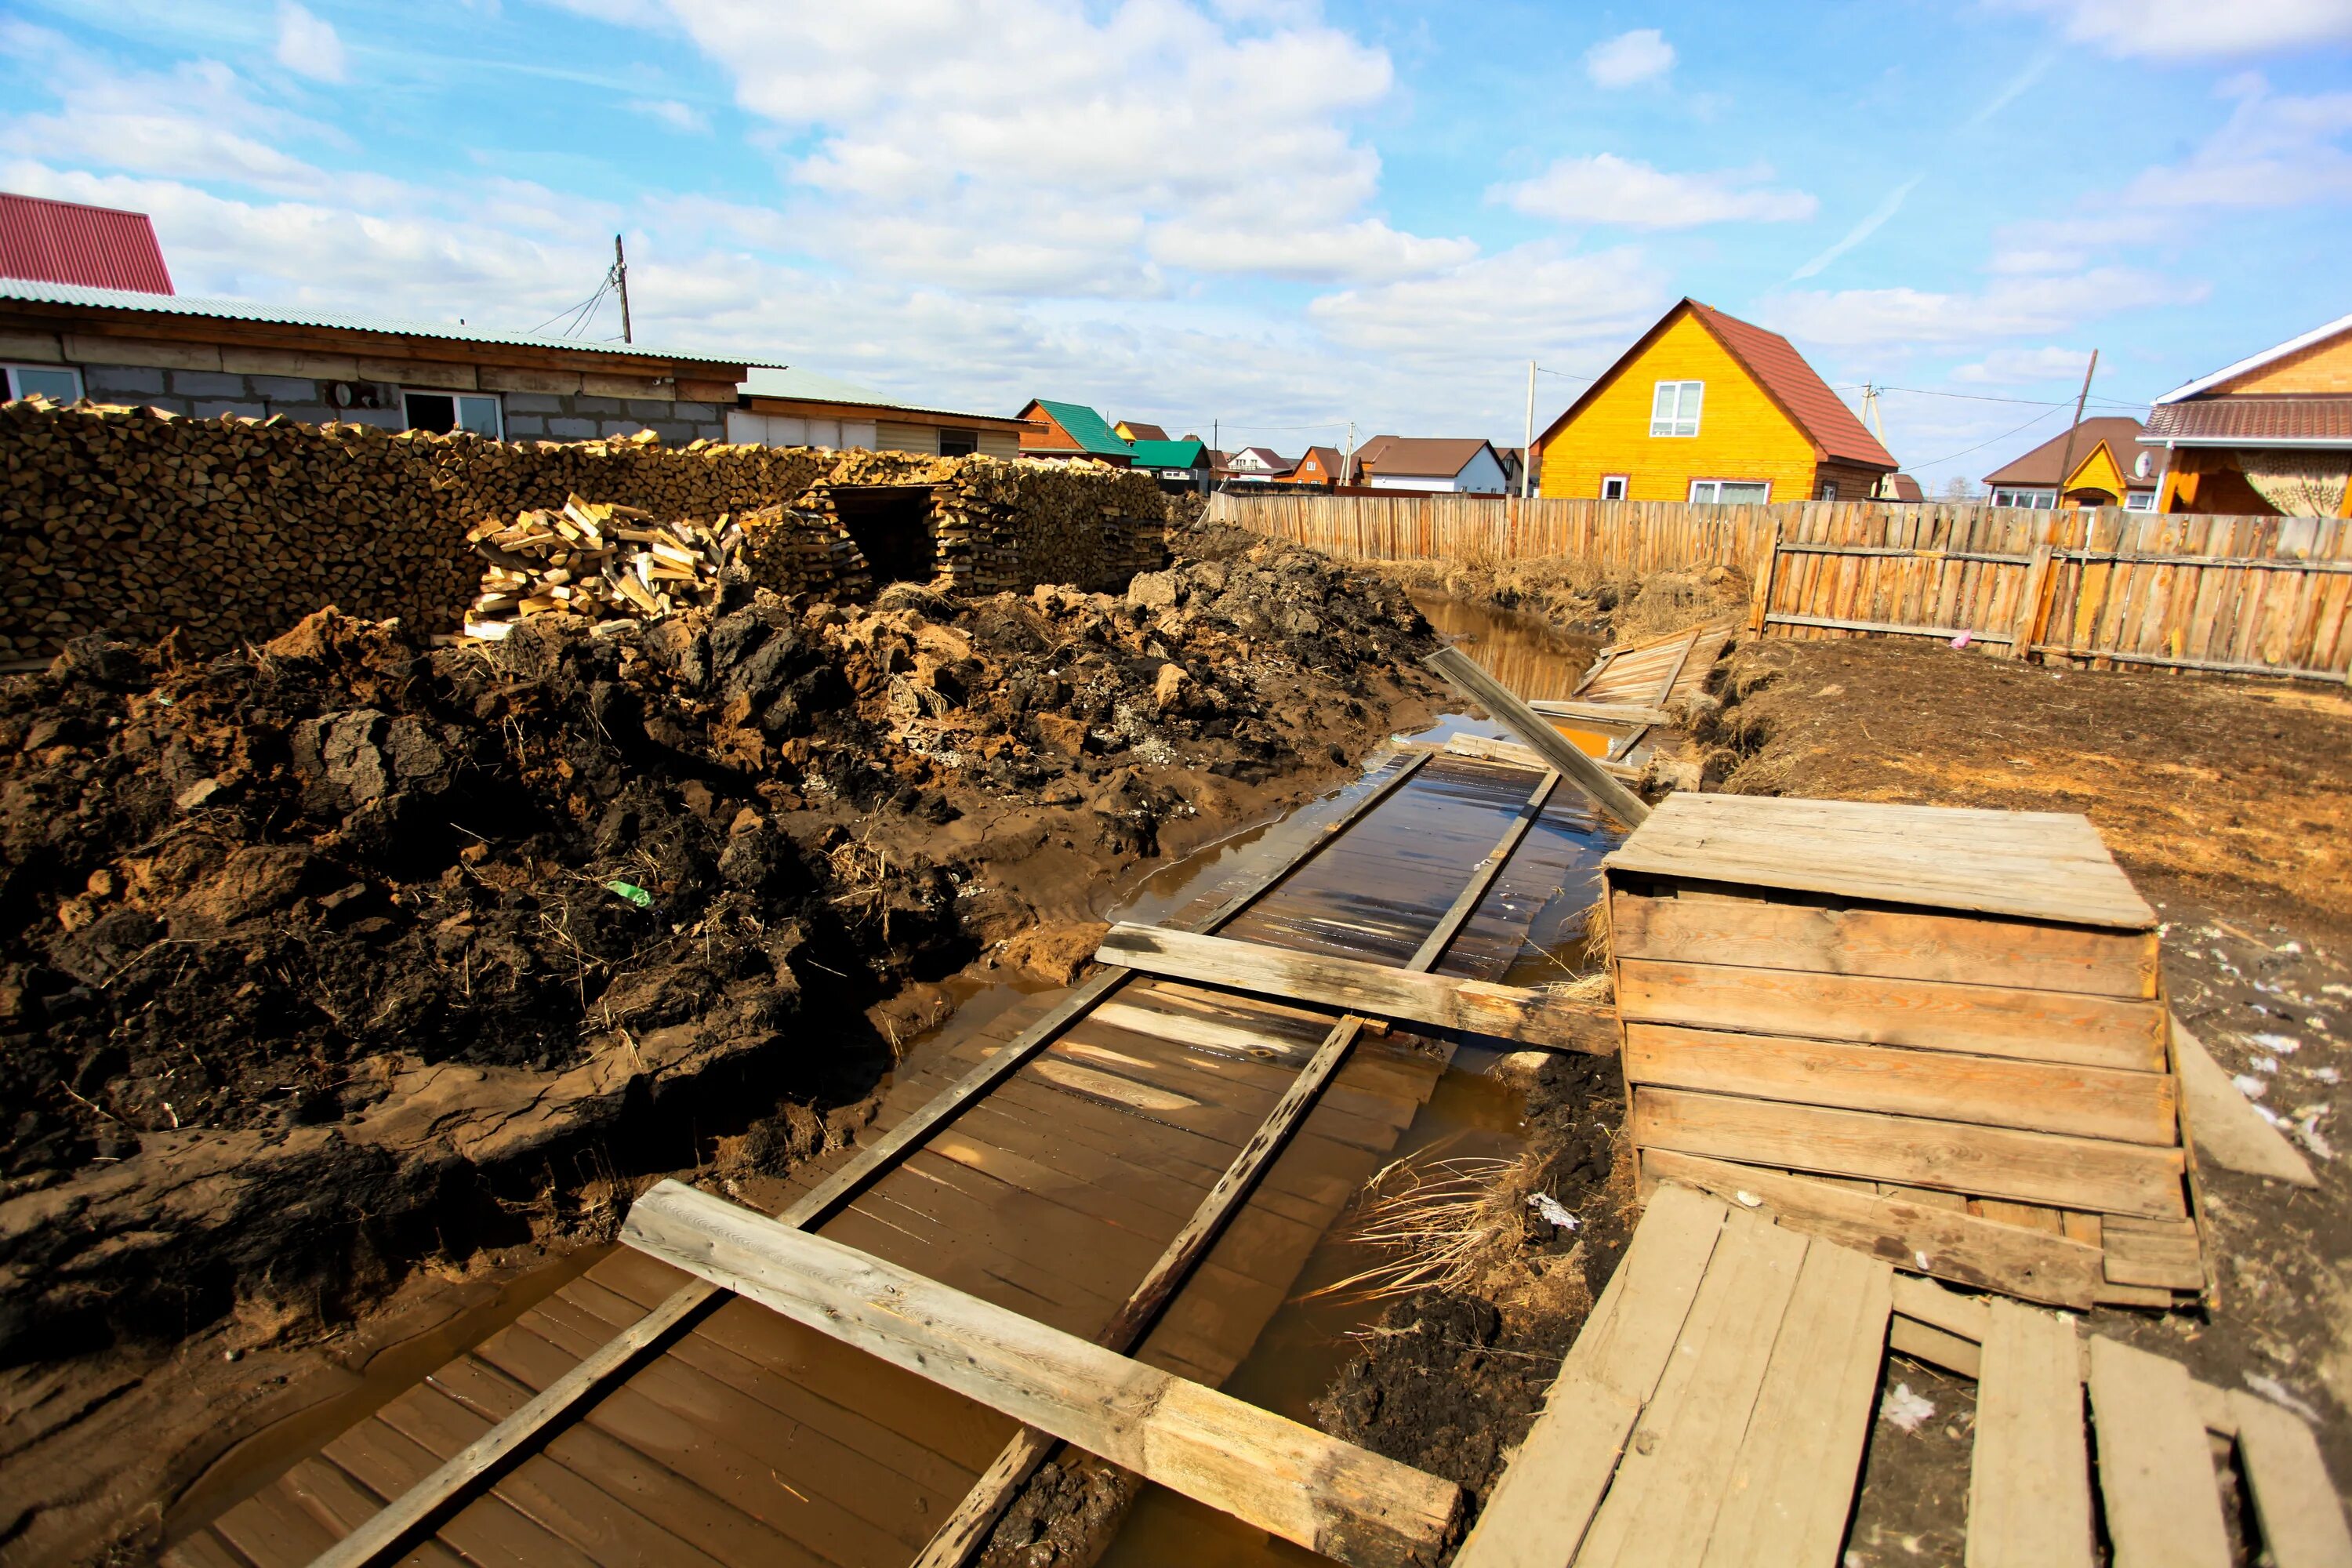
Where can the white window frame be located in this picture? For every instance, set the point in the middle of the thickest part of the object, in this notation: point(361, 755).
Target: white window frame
point(497, 409)
point(1624, 483)
point(2030, 498)
point(1714, 490)
point(16, 389)
point(1674, 405)
point(2139, 501)
point(1828, 491)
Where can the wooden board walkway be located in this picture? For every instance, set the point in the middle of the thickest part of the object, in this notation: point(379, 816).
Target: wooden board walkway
point(1714, 1411)
point(728, 1435)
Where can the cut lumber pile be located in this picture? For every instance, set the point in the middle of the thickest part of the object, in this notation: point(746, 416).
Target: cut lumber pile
point(1937, 1034)
point(600, 559)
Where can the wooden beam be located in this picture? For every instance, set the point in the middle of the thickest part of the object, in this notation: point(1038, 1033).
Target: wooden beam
point(400, 1520)
point(1760, 605)
point(1524, 721)
point(1288, 1480)
point(1539, 1017)
point(1891, 628)
point(1601, 712)
point(1920, 1238)
point(1486, 749)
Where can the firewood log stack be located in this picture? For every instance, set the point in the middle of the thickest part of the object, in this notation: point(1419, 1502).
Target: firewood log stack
point(599, 560)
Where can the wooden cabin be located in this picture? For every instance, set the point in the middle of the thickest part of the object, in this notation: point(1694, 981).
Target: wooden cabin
point(2106, 466)
point(2271, 434)
point(1708, 407)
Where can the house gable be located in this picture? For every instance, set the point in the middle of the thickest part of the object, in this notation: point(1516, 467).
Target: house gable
point(1745, 435)
point(2324, 366)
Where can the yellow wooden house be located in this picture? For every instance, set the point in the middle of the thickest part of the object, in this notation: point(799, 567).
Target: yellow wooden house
point(1708, 407)
point(2271, 433)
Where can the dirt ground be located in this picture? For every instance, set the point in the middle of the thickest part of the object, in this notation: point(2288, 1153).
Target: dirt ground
point(2229, 805)
point(343, 978)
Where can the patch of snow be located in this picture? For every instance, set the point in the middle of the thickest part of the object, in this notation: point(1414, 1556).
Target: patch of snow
point(1901, 1407)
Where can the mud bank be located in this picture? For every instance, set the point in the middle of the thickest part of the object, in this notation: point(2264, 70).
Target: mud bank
point(329, 957)
point(1575, 597)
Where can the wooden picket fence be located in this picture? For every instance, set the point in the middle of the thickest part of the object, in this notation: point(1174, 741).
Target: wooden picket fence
point(2254, 596)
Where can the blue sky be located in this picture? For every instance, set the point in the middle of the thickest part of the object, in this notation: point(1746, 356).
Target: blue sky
point(1280, 216)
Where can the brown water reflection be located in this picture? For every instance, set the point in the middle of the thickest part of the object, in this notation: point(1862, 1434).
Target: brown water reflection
point(1525, 652)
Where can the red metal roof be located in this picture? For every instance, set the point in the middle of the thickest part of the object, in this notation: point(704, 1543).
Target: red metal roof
point(1818, 412)
point(2253, 421)
point(65, 242)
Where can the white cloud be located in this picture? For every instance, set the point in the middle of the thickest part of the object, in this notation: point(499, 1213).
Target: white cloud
point(670, 112)
point(2273, 152)
point(2198, 30)
point(1629, 58)
point(1535, 299)
point(1605, 188)
point(2006, 308)
point(307, 45)
point(1860, 231)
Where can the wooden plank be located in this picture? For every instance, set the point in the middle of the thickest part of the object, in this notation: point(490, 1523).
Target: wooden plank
point(1201, 1034)
point(1286, 1478)
point(1791, 1487)
point(1722, 926)
point(1760, 603)
point(2091, 1102)
point(2295, 1504)
point(1911, 1236)
point(1531, 727)
point(1541, 1017)
point(1927, 1343)
point(1511, 753)
point(2027, 1167)
point(1672, 1478)
point(1602, 712)
point(1890, 629)
point(1538, 1510)
point(2152, 1252)
point(1482, 877)
point(1929, 1015)
point(2223, 1126)
point(2029, 1482)
point(2037, 865)
point(2156, 1472)
point(1675, 670)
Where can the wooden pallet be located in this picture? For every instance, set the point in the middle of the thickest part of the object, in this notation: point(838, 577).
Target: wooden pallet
point(1715, 1409)
point(1656, 672)
point(1939, 1033)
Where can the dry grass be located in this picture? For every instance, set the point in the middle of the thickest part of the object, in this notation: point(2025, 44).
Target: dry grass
point(1450, 1225)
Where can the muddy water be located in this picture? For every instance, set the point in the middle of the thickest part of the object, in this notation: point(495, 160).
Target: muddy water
point(1526, 653)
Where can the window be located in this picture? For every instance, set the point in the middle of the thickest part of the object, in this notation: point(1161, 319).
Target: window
point(1674, 409)
point(1731, 492)
point(60, 383)
point(2140, 500)
point(1612, 487)
point(442, 412)
point(2039, 500)
point(958, 443)
point(1828, 491)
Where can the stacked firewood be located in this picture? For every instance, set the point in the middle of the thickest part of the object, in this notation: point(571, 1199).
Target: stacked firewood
point(599, 560)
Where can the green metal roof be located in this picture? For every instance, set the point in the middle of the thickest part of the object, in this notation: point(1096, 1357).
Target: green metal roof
point(1184, 454)
point(1087, 427)
point(35, 291)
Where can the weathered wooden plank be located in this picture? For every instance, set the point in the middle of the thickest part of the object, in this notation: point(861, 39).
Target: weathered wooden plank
point(1791, 1487)
point(2223, 1126)
point(1720, 925)
point(1286, 1478)
point(1511, 753)
point(1482, 877)
point(1543, 1017)
point(2046, 866)
point(1538, 1511)
point(2152, 1252)
point(1565, 758)
point(1605, 712)
point(1919, 1237)
point(1203, 1034)
point(2295, 1505)
point(2156, 1472)
point(1672, 1478)
point(2048, 1097)
point(1933, 1015)
point(2028, 1167)
point(2029, 1482)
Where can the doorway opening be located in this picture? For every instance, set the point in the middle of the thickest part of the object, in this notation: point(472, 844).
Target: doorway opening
point(892, 527)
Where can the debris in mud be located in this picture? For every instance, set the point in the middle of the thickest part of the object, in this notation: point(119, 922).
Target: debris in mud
point(302, 945)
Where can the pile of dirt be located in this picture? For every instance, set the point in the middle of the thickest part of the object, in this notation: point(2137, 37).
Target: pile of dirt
point(324, 955)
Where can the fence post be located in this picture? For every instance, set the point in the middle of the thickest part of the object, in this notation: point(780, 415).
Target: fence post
point(1761, 605)
point(2032, 604)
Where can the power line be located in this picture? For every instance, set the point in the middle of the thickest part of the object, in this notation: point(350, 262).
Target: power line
point(2002, 437)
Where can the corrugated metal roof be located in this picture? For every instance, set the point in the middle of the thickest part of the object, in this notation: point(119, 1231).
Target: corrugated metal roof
point(2245, 421)
point(1420, 456)
point(1185, 454)
point(36, 292)
point(1087, 429)
point(66, 242)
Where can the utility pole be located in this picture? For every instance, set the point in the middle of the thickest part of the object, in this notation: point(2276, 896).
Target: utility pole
point(621, 273)
point(1878, 428)
point(1527, 452)
point(1347, 458)
point(2066, 463)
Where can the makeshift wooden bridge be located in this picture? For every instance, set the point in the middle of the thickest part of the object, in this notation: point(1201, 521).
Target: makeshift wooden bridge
point(1119, 1190)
